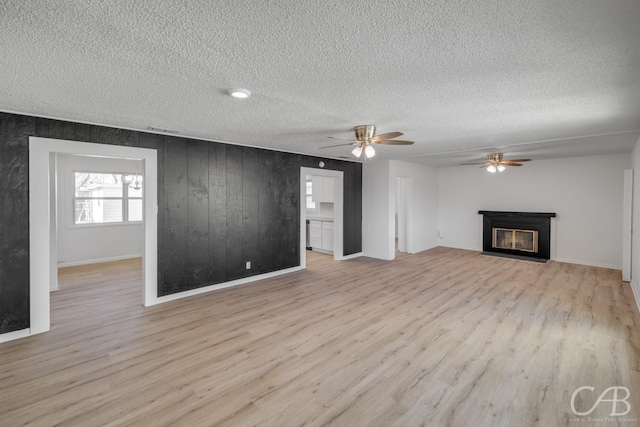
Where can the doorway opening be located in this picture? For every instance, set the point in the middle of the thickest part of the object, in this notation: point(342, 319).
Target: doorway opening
point(98, 205)
point(321, 215)
point(403, 212)
point(43, 237)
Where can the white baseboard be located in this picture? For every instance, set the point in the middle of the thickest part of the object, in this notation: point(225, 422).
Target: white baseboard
point(97, 261)
point(589, 263)
point(422, 249)
point(567, 260)
point(198, 291)
point(10, 336)
point(636, 293)
point(356, 255)
point(322, 251)
point(464, 248)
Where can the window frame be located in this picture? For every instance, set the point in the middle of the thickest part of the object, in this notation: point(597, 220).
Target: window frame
point(125, 200)
point(309, 197)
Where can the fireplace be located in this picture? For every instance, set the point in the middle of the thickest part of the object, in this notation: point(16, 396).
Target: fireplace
point(517, 240)
point(524, 235)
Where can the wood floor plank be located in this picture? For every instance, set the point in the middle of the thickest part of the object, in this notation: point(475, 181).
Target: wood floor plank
point(446, 337)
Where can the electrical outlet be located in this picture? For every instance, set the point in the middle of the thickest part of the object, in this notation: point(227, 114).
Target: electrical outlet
point(248, 265)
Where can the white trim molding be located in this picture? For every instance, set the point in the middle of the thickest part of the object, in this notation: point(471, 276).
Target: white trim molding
point(42, 223)
point(636, 293)
point(338, 210)
point(98, 261)
point(10, 336)
point(205, 289)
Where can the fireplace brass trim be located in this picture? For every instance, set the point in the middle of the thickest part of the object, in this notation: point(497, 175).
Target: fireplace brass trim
point(515, 244)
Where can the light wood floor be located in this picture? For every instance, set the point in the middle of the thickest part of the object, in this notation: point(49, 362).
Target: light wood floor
point(443, 338)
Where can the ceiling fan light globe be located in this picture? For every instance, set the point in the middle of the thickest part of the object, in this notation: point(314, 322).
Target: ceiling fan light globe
point(501, 168)
point(492, 168)
point(357, 151)
point(369, 151)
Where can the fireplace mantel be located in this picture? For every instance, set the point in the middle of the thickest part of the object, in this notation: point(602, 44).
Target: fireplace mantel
point(538, 222)
point(525, 214)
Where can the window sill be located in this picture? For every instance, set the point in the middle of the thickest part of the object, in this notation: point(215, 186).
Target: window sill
point(103, 225)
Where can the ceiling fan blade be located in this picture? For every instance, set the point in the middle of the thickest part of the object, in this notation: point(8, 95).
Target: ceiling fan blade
point(396, 142)
point(518, 160)
point(343, 139)
point(339, 145)
point(474, 163)
point(386, 136)
point(510, 163)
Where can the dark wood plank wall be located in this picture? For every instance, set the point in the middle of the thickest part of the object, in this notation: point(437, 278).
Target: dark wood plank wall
point(219, 206)
point(14, 223)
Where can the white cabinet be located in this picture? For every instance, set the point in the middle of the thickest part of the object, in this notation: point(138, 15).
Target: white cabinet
point(316, 188)
point(315, 234)
point(328, 185)
point(322, 189)
point(321, 235)
point(327, 236)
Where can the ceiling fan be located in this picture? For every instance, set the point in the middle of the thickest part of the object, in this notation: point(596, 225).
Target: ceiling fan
point(366, 137)
point(495, 162)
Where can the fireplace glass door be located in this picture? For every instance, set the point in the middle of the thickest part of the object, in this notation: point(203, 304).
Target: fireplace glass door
point(513, 239)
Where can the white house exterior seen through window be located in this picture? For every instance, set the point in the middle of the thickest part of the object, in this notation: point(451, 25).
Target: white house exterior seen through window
point(102, 198)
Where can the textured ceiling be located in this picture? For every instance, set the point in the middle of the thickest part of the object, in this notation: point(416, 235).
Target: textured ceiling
point(458, 77)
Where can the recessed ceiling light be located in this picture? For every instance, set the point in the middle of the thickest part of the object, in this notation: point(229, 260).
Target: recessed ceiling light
point(239, 93)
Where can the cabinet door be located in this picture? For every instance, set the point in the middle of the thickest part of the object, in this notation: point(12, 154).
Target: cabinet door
point(315, 234)
point(328, 185)
point(316, 189)
point(327, 236)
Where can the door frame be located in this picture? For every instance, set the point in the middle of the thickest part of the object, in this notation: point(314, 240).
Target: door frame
point(42, 234)
point(403, 187)
point(338, 212)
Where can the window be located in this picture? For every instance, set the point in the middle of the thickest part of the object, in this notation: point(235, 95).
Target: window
point(311, 205)
point(103, 198)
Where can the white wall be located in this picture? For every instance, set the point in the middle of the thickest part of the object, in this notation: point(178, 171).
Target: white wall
point(325, 210)
point(424, 202)
point(586, 193)
point(83, 245)
point(378, 206)
point(377, 210)
point(635, 244)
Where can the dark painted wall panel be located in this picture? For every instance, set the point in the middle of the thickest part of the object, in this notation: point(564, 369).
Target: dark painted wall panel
point(235, 264)
point(287, 249)
point(48, 128)
point(217, 213)
point(198, 213)
point(266, 199)
point(219, 206)
point(14, 243)
point(175, 262)
point(83, 132)
point(14, 221)
point(353, 204)
point(250, 208)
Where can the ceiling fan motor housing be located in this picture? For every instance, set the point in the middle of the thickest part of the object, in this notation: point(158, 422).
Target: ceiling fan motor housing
point(364, 132)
